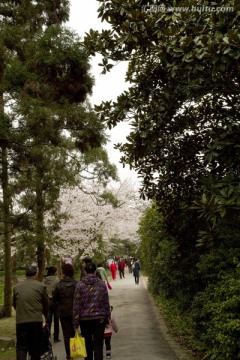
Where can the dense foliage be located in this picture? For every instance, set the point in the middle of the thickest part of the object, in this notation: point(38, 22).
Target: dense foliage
point(183, 107)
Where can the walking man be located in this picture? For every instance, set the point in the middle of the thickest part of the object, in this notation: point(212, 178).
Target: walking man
point(136, 271)
point(30, 300)
point(121, 267)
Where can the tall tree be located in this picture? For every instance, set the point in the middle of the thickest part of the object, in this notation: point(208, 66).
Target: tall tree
point(20, 20)
point(44, 78)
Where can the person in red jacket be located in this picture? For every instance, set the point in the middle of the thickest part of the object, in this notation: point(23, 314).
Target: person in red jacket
point(113, 269)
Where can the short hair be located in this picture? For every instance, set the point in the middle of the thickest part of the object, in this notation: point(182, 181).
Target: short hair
point(67, 270)
point(99, 264)
point(51, 270)
point(87, 260)
point(90, 268)
point(31, 271)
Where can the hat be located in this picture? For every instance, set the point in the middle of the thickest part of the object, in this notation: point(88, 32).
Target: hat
point(31, 270)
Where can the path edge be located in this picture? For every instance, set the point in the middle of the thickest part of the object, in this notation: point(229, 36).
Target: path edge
point(162, 326)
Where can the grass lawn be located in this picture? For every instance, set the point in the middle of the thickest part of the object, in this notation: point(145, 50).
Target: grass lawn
point(8, 354)
point(7, 329)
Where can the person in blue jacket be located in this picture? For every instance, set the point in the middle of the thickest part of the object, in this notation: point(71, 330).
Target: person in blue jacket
point(136, 271)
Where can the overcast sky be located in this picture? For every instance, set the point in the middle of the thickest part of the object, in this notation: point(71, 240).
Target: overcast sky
point(83, 16)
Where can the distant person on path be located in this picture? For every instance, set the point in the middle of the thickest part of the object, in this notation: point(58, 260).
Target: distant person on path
point(91, 310)
point(102, 272)
point(30, 300)
point(50, 281)
point(129, 264)
point(63, 299)
point(136, 271)
point(67, 260)
point(121, 268)
point(85, 261)
point(110, 327)
point(113, 269)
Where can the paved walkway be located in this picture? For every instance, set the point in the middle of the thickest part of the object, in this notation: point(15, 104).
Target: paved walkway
point(142, 333)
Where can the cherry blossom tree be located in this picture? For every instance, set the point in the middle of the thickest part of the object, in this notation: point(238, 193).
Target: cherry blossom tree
point(96, 218)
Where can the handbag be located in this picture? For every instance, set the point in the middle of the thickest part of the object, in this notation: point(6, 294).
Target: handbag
point(109, 286)
point(77, 346)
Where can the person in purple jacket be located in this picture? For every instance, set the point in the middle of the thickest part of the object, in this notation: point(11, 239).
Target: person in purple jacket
point(91, 310)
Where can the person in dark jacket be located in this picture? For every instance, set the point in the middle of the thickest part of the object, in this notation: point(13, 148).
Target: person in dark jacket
point(91, 310)
point(136, 271)
point(85, 261)
point(121, 268)
point(63, 299)
point(30, 300)
point(51, 280)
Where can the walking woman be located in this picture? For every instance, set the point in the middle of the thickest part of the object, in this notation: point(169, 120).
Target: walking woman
point(63, 298)
point(113, 269)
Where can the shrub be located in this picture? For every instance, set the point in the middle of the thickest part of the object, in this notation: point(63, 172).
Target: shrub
point(216, 313)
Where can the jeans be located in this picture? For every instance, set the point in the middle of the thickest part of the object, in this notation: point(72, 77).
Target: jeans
point(29, 340)
point(93, 332)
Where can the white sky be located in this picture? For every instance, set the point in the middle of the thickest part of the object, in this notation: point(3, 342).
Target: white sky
point(83, 16)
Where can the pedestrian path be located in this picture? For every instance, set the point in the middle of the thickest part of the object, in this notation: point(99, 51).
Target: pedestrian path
point(138, 337)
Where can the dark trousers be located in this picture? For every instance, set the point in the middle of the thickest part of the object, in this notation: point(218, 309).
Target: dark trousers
point(29, 340)
point(93, 332)
point(68, 332)
point(121, 273)
point(53, 314)
point(136, 279)
point(107, 340)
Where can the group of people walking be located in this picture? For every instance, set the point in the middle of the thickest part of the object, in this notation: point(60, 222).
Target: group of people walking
point(76, 304)
point(121, 264)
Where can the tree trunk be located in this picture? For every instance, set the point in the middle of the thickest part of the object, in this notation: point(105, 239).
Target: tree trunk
point(40, 231)
point(7, 309)
point(14, 270)
point(76, 262)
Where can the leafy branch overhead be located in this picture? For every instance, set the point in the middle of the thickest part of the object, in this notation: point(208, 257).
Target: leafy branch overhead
point(184, 89)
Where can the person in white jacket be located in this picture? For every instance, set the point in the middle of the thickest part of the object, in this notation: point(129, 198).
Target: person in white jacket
point(110, 327)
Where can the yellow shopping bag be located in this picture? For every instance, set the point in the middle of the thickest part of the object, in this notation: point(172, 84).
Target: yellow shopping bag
point(77, 346)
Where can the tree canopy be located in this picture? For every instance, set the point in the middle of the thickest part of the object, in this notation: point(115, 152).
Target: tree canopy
point(184, 76)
